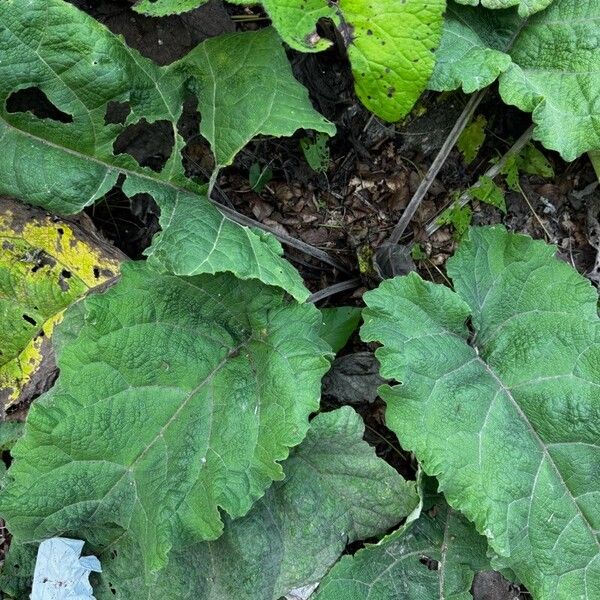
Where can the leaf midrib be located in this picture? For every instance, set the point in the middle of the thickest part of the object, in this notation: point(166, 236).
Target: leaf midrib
point(534, 434)
point(130, 468)
point(107, 165)
point(508, 393)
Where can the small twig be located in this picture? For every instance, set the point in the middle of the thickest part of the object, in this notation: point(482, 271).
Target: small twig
point(537, 217)
point(282, 237)
point(492, 172)
point(436, 165)
point(334, 289)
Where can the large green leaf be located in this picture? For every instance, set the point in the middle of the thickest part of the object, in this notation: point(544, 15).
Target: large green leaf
point(176, 396)
point(234, 74)
point(83, 69)
point(507, 417)
point(547, 65)
point(391, 51)
point(390, 43)
point(526, 7)
point(335, 491)
point(436, 557)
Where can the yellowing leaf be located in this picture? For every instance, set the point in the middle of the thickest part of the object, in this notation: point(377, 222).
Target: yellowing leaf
point(45, 265)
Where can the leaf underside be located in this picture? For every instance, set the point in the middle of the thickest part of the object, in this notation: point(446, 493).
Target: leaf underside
point(68, 161)
point(176, 396)
point(508, 422)
point(547, 65)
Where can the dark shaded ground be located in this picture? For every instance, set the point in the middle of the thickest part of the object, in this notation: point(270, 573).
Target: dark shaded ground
point(350, 209)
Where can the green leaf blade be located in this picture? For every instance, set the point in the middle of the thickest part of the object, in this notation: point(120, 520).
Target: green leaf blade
point(472, 52)
point(338, 324)
point(502, 423)
point(229, 72)
point(397, 567)
point(546, 65)
point(336, 490)
point(559, 88)
point(185, 365)
point(163, 8)
point(526, 7)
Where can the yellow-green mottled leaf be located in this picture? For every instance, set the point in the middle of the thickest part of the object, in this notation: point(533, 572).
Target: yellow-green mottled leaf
point(390, 42)
point(45, 265)
point(391, 51)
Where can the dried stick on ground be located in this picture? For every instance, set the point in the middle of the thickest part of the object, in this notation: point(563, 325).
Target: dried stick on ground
point(492, 172)
point(283, 238)
point(436, 165)
point(334, 289)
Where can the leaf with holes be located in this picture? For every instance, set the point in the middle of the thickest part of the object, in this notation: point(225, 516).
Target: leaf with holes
point(546, 64)
point(336, 491)
point(97, 91)
point(176, 396)
point(389, 43)
point(45, 265)
point(507, 417)
point(435, 557)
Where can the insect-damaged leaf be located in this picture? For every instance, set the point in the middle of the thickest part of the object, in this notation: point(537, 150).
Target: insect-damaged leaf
point(234, 74)
point(45, 265)
point(176, 396)
point(506, 418)
point(389, 42)
point(65, 159)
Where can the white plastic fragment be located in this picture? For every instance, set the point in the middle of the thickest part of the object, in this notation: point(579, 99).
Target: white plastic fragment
point(302, 593)
point(61, 573)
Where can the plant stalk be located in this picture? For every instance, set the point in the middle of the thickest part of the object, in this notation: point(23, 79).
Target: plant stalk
point(436, 165)
point(492, 172)
point(334, 289)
